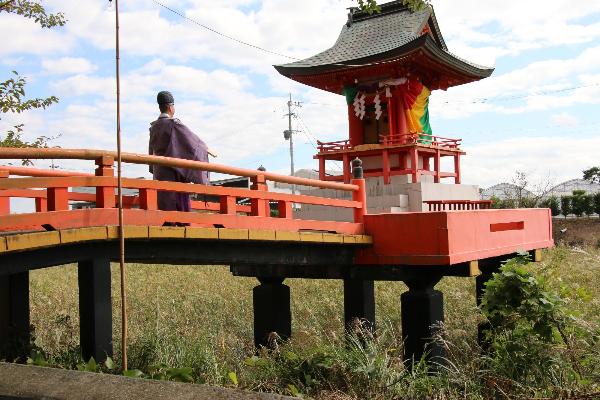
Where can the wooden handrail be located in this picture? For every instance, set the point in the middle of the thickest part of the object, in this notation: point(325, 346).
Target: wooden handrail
point(37, 172)
point(97, 181)
point(134, 158)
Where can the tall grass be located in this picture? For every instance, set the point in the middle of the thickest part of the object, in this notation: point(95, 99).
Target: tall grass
point(201, 317)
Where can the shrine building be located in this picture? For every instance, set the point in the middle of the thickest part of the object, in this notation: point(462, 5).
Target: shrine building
point(386, 65)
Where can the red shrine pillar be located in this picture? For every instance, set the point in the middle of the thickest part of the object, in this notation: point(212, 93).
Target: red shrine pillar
point(457, 169)
point(355, 128)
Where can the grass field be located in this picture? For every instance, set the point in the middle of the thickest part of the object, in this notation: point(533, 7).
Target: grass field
point(201, 317)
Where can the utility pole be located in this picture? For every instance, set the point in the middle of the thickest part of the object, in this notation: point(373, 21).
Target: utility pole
point(289, 135)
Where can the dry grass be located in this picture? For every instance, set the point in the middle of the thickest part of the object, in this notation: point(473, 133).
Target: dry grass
point(201, 316)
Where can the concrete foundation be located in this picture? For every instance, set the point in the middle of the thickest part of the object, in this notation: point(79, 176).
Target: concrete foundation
point(399, 196)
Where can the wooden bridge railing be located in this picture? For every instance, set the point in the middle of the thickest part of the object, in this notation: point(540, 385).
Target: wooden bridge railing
point(50, 189)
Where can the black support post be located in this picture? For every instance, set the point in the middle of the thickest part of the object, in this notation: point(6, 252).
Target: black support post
point(14, 316)
point(422, 312)
point(272, 313)
point(359, 304)
point(480, 280)
point(95, 309)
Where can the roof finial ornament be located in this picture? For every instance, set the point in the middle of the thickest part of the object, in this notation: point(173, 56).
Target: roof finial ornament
point(351, 11)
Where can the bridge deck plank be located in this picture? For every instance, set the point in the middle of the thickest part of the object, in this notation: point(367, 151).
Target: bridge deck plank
point(166, 232)
point(32, 240)
point(17, 241)
point(129, 231)
point(201, 233)
point(83, 234)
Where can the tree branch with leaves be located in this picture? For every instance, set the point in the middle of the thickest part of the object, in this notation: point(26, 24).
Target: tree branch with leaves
point(371, 6)
point(12, 90)
point(592, 175)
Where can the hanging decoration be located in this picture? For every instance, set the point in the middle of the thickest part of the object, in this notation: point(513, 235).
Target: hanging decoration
point(377, 102)
point(415, 98)
point(359, 105)
point(388, 92)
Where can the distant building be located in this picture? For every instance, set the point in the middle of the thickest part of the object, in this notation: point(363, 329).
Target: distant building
point(566, 188)
point(503, 191)
point(508, 190)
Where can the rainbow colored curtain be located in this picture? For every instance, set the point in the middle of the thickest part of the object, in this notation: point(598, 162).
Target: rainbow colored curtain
point(415, 101)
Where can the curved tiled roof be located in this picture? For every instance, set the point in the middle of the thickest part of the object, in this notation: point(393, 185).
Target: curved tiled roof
point(370, 37)
point(394, 31)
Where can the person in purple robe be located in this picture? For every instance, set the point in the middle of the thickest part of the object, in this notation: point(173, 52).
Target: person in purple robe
point(169, 137)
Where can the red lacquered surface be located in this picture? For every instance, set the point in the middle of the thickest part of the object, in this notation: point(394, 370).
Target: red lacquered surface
point(445, 238)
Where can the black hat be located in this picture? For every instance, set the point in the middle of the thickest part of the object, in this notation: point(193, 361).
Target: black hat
point(165, 97)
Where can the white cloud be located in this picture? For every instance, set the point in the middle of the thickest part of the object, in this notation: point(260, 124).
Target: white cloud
point(540, 85)
point(22, 36)
point(68, 65)
point(489, 163)
point(565, 119)
point(515, 26)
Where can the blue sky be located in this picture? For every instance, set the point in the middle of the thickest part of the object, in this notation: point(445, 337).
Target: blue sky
point(541, 113)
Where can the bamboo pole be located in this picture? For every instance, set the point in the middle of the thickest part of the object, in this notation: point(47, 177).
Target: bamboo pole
point(120, 200)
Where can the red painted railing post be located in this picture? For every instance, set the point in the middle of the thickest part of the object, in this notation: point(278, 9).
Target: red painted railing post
point(148, 199)
point(361, 194)
point(41, 203)
point(227, 205)
point(105, 196)
point(346, 168)
point(457, 169)
point(386, 167)
point(437, 166)
point(322, 168)
point(285, 209)
point(58, 199)
point(414, 164)
point(259, 207)
point(4, 201)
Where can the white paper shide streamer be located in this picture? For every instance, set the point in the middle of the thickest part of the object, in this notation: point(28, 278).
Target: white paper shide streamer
point(359, 105)
point(377, 102)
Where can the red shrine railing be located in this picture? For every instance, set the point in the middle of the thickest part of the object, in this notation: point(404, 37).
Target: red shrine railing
point(420, 138)
point(324, 147)
point(443, 205)
point(391, 140)
point(50, 190)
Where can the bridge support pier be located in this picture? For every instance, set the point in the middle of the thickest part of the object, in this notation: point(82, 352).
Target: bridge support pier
point(359, 305)
point(422, 310)
point(95, 309)
point(487, 270)
point(272, 313)
point(14, 316)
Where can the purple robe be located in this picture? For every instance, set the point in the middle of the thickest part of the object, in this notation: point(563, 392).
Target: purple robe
point(170, 138)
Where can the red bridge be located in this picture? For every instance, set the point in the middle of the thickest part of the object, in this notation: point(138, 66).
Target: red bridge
point(253, 240)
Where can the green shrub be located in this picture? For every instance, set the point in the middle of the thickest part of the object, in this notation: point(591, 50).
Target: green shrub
point(528, 202)
point(588, 204)
point(529, 321)
point(597, 203)
point(580, 202)
point(553, 204)
point(566, 205)
point(496, 202)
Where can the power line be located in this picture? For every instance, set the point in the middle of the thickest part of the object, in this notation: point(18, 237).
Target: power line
point(338, 64)
point(523, 96)
point(208, 28)
point(299, 118)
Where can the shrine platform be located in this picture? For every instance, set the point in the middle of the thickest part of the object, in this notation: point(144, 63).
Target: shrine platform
point(396, 155)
